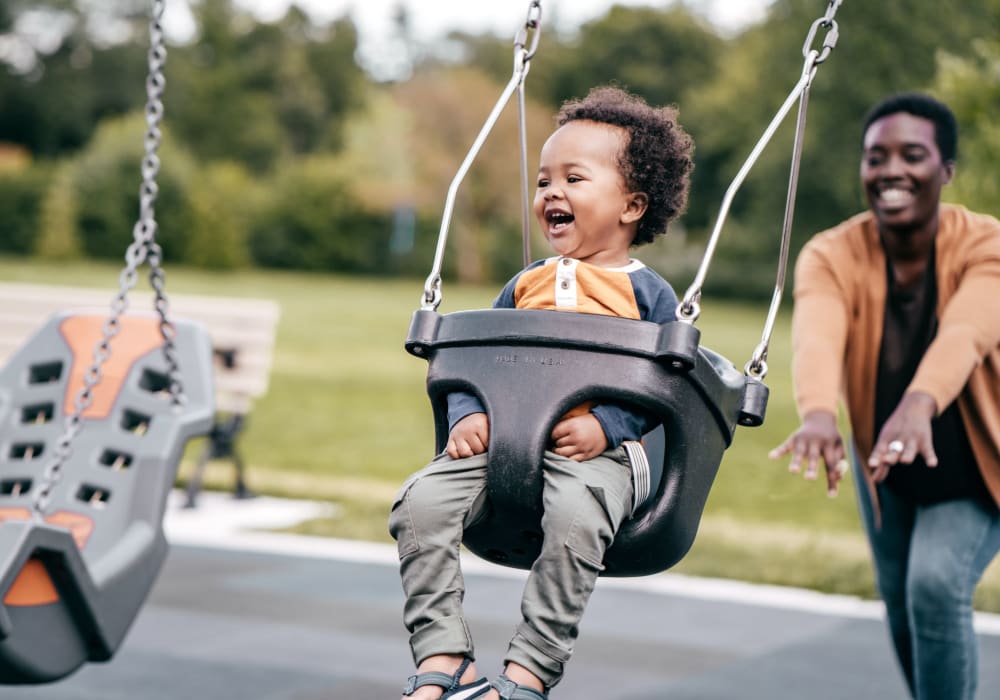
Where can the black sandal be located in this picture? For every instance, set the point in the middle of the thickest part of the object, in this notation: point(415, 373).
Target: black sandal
point(453, 690)
point(509, 690)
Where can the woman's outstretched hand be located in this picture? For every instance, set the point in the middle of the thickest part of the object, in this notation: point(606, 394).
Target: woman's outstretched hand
point(905, 435)
point(817, 438)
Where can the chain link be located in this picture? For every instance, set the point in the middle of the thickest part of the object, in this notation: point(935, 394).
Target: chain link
point(525, 46)
point(827, 22)
point(142, 249)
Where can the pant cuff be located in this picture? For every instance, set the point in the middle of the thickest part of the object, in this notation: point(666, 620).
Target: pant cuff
point(538, 656)
point(446, 635)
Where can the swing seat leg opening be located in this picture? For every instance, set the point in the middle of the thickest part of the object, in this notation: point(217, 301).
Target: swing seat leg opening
point(47, 629)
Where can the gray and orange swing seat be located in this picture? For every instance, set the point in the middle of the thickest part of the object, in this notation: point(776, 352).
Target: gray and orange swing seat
point(74, 576)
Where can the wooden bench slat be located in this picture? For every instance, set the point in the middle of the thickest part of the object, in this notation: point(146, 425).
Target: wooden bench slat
point(246, 325)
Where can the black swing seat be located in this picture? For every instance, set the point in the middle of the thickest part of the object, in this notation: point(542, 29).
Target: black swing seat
point(72, 580)
point(531, 367)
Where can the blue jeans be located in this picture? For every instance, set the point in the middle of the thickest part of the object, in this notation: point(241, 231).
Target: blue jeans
point(928, 560)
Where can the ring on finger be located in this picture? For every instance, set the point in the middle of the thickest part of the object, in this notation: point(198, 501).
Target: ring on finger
point(896, 446)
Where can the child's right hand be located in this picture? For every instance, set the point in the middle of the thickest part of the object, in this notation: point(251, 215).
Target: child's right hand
point(470, 436)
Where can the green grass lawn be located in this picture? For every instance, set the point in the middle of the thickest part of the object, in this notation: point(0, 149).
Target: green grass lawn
point(347, 419)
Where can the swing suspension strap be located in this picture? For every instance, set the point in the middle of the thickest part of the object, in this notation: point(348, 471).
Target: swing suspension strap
point(689, 310)
point(522, 56)
point(143, 248)
point(525, 45)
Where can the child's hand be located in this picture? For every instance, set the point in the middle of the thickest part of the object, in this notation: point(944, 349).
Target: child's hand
point(580, 438)
point(470, 436)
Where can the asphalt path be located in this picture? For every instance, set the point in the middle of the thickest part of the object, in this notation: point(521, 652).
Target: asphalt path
point(260, 616)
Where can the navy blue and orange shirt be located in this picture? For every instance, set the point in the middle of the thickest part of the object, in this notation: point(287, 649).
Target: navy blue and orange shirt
point(565, 284)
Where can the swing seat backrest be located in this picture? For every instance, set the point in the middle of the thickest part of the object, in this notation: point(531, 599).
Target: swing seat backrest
point(530, 367)
point(71, 584)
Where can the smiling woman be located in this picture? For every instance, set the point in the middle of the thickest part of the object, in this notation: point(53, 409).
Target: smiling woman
point(900, 306)
point(903, 172)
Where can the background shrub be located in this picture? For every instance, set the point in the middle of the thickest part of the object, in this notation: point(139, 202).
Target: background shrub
point(93, 203)
point(21, 193)
point(313, 221)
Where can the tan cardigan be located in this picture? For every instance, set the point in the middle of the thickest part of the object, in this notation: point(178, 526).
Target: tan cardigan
point(840, 292)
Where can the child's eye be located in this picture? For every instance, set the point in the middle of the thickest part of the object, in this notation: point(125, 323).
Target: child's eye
point(543, 183)
point(573, 178)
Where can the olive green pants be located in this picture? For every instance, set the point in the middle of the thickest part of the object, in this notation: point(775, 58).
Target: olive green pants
point(584, 505)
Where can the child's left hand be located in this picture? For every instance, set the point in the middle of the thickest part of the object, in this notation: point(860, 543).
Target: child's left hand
point(579, 438)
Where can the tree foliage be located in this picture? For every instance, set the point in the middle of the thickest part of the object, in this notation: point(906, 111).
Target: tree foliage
point(92, 204)
point(256, 92)
point(971, 85)
point(285, 148)
point(447, 112)
point(659, 54)
point(883, 47)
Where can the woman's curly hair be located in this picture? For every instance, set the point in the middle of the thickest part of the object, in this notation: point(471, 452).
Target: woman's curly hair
point(657, 157)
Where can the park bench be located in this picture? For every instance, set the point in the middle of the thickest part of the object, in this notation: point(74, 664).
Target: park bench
point(242, 332)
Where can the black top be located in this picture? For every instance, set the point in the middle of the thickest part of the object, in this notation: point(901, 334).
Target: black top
point(909, 327)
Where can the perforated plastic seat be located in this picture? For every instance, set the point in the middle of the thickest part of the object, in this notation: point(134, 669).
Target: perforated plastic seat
point(530, 367)
point(71, 586)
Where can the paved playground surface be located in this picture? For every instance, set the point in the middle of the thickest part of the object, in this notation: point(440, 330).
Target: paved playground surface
point(238, 614)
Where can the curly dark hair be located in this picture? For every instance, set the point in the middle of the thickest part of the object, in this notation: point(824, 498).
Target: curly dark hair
point(926, 107)
point(657, 158)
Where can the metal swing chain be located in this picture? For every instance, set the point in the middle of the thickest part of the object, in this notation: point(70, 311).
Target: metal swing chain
point(688, 310)
point(525, 47)
point(142, 249)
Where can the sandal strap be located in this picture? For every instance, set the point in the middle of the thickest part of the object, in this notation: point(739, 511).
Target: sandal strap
point(509, 690)
point(438, 678)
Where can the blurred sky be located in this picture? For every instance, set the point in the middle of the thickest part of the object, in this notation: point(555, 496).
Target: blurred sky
point(431, 19)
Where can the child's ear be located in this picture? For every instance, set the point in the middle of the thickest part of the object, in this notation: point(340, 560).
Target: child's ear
point(635, 207)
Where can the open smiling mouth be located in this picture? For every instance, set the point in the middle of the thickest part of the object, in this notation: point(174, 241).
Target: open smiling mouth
point(895, 197)
point(558, 220)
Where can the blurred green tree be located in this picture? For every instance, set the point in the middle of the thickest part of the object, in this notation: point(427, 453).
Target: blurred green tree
point(660, 54)
point(257, 93)
point(65, 68)
point(249, 100)
point(884, 47)
point(21, 191)
point(92, 203)
point(311, 220)
point(970, 85)
point(447, 109)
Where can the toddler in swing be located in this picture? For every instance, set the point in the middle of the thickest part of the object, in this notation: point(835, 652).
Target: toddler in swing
point(612, 176)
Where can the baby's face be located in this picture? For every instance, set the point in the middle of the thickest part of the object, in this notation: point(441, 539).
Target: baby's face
point(582, 203)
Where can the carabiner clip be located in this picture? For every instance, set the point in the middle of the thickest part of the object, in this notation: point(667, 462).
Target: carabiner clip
point(533, 24)
point(829, 41)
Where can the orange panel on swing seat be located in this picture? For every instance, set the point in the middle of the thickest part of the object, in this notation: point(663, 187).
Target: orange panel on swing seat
point(33, 585)
point(136, 337)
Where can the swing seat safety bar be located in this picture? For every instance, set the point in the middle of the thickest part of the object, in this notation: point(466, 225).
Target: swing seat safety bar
point(560, 360)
